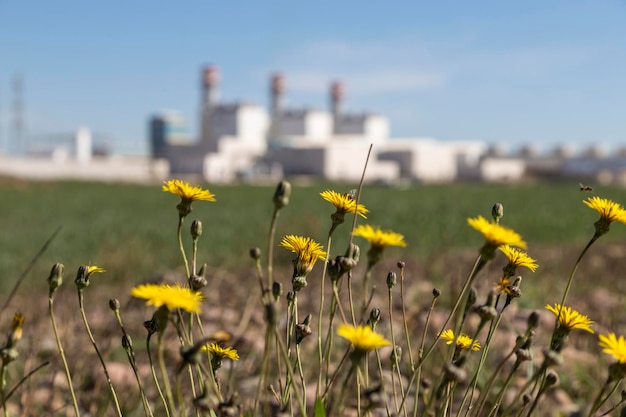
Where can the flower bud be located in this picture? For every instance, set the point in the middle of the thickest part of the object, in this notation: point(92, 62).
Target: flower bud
point(277, 290)
point(374, 318)
point(391, 279)
point(255, 253)
point(15, 334)
point(396, 355)
point(196, 229)
point(114, 304)
point(82, 277)
point(533, 320)
point(436, 292)
point(282, 194)
point(401, 264)
point(551, 378)
point(197, 282)
point(55, 279)
point(303, 329)
point(497, 212)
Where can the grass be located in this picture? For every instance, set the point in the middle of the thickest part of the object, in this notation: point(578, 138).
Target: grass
point(127, 227)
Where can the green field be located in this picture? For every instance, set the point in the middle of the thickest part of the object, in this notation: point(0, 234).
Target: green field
point(130, 229)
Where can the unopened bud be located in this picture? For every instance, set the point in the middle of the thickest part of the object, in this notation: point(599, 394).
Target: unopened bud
point(401, 264)
point(277, 290)
point(533, 320)
point(114, 304)
point(436, 292)
point(497, 212)
point(282, 194)
point(552, 378)
point(391, 279)
point(197, 282)
point(255, 253)
point(374, 317)
point(396, 355)
point(196, 229)
point(55, 279)
point(303, 329)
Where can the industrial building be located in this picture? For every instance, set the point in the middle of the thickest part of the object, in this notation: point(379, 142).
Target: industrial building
point(242, 140)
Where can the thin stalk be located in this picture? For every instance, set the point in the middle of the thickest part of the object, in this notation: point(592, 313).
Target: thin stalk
point(3, 384)
point(382, 382)
point(68, 376)
point(270, 248)
point(320, 350)
point(420, 357)
point(285, 357)
point(155, 379)
point(164, 374)
point(130, 354)
point(478, 264)
point(396, 364)
point(405, 321)
point(180, 245)
point(95, 346)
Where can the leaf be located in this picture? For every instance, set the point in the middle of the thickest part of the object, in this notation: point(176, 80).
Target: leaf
point(319, 408)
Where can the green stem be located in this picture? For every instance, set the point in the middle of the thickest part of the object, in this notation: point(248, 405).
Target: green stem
point(155, 379)
point(164, 374)
point(95, 346)
point(181, 247)
point(62, 353)
point(3, 384)
point(320, 350)
point(270, 248)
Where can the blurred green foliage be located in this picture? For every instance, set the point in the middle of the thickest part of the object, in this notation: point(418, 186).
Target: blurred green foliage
point(131, 229)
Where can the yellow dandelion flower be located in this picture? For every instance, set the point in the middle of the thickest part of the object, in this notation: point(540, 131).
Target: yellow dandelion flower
point(607, 209)
point(221, 352)
point(91, 269)
point(188, 194)
point(170, 296)
point(496, 235)
point(609, 212)
point(517, 258)
point(614, 346)
point(379, 238)
point(344, 203)
point(307, 250)
point(362, 338)
point(502, 286)
point(570, 319)
point(462, 342)
point(15, 334)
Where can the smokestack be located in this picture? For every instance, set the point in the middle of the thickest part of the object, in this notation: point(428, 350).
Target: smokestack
point(337, 92)
point(277, 90)
point(210, 82)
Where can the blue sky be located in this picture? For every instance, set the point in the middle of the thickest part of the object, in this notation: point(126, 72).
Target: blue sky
point(534, 72)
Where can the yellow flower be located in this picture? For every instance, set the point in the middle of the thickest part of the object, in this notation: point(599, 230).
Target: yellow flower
point(94, 269)
point(15, 334)
point(379, 238)
point(463, 341)
point(613, 346)
point(221, 352)
point(516, 259)
point(363, 338)
point(188, 194)
point(609, 212)
point(307, 250)
point(169, 296)
point(344, 203)
point(496, 235)
point(570, 319)
point(607, 209)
